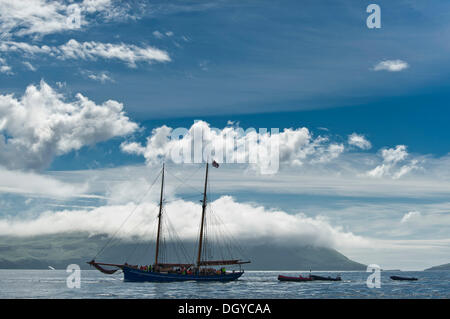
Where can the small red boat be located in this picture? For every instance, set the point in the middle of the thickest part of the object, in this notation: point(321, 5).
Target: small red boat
point(288, 278)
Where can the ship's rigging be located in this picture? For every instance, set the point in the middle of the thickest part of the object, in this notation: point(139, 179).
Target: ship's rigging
point(214, 245)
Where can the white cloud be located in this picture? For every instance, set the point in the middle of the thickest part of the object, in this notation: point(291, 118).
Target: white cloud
point(326, 155)
point(124, 52)
point(234, 145)
point(390, 165)
point(405, 169)
point(4, 67)
point(359, 141)
point(394, 155)
point(61, 84)
point(41, 17)
point(410, 216)
point(378, 218)
point(96, 5)
point(32, 184)
point(345, 176)
point(41, 125)
point(33, 16)
point(247, 222)
point(29, 66)
point(26, 48)
point(102, 77)
point(158, 34)
point(128, 53)
point(391, 66)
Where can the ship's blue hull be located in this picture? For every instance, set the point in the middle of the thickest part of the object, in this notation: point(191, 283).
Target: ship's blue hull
point(136, 275)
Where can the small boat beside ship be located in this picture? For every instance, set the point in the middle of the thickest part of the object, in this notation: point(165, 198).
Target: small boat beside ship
point(328, 278)
point(404, 278)
point(300, 278)
point(289, 278)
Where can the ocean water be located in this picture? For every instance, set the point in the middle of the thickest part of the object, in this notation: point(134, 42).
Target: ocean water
point(253, 284)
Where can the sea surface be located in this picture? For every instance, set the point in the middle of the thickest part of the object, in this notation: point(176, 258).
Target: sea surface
point(253, 284)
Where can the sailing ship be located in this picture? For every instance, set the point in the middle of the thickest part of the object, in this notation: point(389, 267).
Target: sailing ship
point(202, 270)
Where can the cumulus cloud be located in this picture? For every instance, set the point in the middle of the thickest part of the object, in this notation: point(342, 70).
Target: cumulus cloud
point(127, 53)
point(391, 66)
point(41, 17)
point(242, 220)
point(394, 163)
point(394, 155)
point(234, 145)
point(359, 141)
point(102, 77)
point(41, 125)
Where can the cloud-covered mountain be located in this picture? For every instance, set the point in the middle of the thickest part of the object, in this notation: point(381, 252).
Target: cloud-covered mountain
point(39, 252)
point(364, 164)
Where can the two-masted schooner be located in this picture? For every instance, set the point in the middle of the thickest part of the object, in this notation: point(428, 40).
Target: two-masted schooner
point(201, 270)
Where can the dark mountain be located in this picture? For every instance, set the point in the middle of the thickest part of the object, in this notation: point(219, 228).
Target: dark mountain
point(299, 258)
point(61, 250)
point(440, 267)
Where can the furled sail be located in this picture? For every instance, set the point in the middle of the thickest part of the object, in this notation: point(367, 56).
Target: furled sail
point(103, 270)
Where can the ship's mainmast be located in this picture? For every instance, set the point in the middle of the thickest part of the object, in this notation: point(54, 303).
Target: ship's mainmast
point(200, 241)
point(159, 216)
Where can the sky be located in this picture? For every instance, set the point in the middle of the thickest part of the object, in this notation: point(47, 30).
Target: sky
point(91, 90)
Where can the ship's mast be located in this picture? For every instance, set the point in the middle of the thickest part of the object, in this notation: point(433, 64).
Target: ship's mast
point(200, 241)
point(159, 216)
